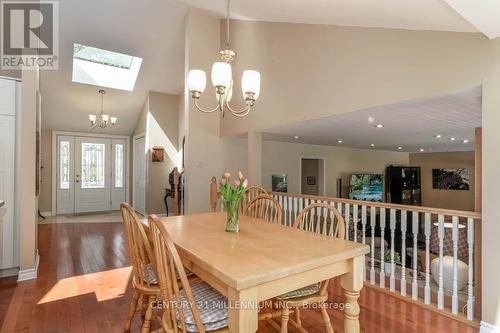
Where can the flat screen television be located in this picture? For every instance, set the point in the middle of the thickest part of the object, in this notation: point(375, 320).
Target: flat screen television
point(367, 187)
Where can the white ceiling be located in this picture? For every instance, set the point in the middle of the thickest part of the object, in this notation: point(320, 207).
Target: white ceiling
point(411, 125)
point(483, 14)
point(152, 30)
point(399, 14)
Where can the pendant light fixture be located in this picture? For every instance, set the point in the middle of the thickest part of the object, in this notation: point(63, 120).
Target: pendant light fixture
point(223, 82)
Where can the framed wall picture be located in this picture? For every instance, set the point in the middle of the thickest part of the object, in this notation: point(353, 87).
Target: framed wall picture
point(157, 153)
point(451, 179)
point(311, 180)
point(279, 183)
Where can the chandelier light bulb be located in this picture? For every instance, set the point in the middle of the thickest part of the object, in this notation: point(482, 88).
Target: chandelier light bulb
point(221, 74)
point(92, 118)
point(113, 120)
point(196, 80)
point(105, 118)
point(250, 83)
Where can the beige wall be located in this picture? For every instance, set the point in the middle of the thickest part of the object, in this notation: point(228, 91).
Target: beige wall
point(162, 122)
point(28, 202)
point(45, 200)
point(310, 168)
point(491, 197)
point(461, 200)
point(284, 158)
point(309, 71)
point(159, 122)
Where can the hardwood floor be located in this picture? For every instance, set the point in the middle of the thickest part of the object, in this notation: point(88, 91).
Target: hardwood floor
point(84, 286)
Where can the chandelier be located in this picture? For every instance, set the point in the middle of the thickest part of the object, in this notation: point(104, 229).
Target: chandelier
point(101, 120)
point(223, 82)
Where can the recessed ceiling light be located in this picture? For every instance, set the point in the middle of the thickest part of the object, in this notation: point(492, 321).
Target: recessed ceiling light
point(422, 149)
point(340, 141)
point(379, 126)
point(465, 141)
point(371, 120)
point(296, 137)
point(372, 145)
point(439, 136)
point(452, 139)
point(399, 148)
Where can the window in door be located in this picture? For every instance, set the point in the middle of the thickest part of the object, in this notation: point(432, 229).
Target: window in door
point(119, 165)
point(93, 165)
point(64, 167)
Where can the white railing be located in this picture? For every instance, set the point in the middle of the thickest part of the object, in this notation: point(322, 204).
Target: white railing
point(439, 238)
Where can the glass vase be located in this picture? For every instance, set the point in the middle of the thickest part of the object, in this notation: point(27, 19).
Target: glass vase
point(232, 211)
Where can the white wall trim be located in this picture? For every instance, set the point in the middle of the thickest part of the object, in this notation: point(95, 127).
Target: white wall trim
point(135, 137)
point(92, 135)
point(46, 214)
point(29, 274)
point(324, 172)
point(488, 328)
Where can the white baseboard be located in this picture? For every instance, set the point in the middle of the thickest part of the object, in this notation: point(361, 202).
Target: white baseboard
point(29, 274)
point(488, 328)
point(46, 214)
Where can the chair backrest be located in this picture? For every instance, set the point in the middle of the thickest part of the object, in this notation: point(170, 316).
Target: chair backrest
point(266, 208)
point(172, 278)
point(322, 219)
point(140, 249)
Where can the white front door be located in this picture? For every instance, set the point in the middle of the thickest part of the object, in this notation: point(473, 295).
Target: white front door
point(140, 175)
point(92, 174)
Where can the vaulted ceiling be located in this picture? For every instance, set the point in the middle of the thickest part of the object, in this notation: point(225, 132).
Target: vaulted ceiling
point(152, 30)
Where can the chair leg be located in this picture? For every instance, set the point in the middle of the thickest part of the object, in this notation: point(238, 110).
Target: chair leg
point(297, 317)
point(131, 310)
point(146, 326)
point(326, 319)
point(144, 306)
point(285, 315)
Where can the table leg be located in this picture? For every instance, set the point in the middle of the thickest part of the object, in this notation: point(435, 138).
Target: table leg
point(243, 310)
point(352, 283)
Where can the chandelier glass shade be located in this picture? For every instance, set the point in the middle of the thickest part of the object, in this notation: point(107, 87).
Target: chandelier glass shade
point(102, 120)
point(222, 80)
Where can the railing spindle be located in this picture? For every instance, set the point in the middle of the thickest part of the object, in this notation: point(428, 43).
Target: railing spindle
point(414, 285)
point(392, 227)
point(347, 217)
point(454, 296)
point(403, 252)
point(382, 247)
point(355, 221)
point(440, 297)
point(470, 289)
point(427, 288)
point(373, 222)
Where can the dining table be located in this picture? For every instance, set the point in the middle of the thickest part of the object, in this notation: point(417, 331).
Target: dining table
point(264, 260)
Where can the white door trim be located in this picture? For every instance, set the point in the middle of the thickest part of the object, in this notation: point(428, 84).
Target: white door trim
point(93, 135)
point(324, 172)
point(135, 137)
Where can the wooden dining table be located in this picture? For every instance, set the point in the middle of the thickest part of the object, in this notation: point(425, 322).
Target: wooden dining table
point(265, 260)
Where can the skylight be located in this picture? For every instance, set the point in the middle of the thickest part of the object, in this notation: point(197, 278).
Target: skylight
point(104, 68)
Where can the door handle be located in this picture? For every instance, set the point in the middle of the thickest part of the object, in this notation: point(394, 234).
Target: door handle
point(77, 181)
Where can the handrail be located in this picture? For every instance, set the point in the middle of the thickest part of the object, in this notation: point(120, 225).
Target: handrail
point(420, 209)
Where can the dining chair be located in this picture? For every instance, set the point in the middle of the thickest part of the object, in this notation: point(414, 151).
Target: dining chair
point(325, 220)
point(251, 193)
point(180, 298)
point(266, 208)
point(144, 279)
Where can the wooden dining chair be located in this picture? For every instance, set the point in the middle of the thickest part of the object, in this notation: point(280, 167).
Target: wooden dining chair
point(181, 299)
point(251, 193)
point(144, 280)
point(266, 208)
point(325, 220)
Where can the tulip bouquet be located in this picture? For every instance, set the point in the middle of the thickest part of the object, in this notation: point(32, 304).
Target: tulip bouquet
point(232, 192)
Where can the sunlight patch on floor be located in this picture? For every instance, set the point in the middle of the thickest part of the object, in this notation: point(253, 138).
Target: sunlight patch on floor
point(105, 285)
